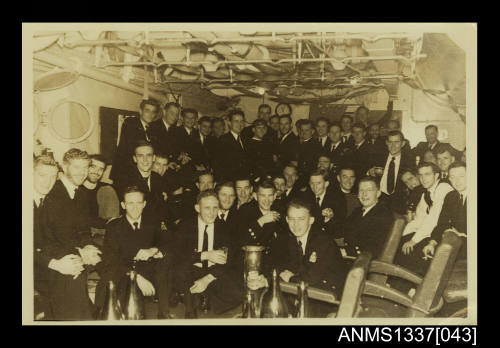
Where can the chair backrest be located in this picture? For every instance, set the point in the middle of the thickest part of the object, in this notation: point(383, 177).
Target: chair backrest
point(390, 247)
point(108, 202)
point(431, 289)
point(354, 286)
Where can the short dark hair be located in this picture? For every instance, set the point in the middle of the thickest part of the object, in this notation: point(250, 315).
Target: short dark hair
point(431, 126)
point(346, 167)
point(218, 119)
point(204, 119)
point(347, 116)
point(242, 178)
point(75, 153)
point(161, 154)
point(205, 194)
point(45, 160)
point(408, 170)
point(142, 143)
point(442, 148)
point(319, 172)
point(189, 111)
point(291, 165)
point(434, 167)
point(132, 189)
point(457, 164)
point(299, 122)
point(170, 104)
point(234, 112)
point(153, 102)
point(274, 116)
point(299, 204)
point(288, 117)
point(261, 106)
point(202, 173)
point(324, 119)
point(394, 133)
point(359, 125)
point(100, 158)
point(334, 124)
point(369, 179)
point(265, 184)
point(278, 176)
point(306, 122)
point(259, 122)
point(229, 184)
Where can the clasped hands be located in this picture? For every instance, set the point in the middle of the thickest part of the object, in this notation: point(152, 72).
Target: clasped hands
point(215, 256)
point(146, 254)
point(90, 255)
point(70, 264)
point(327, 213)
point(271, 216)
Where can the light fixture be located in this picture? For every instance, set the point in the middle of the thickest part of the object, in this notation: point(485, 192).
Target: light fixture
point(261, 91)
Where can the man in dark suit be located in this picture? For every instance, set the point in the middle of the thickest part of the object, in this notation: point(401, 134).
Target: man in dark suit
point(206, 142)
point(288, 142)
point(328, 206)
point(218, 127)
point(376, 142)
point(263, 113)
point(44, 177)
point(390, 166)
point(431, 134)
point(322, 127)
point(67, 231)
point(337, 149)
point(244, 190)
point(133, 129)
point(188, 136)
point(134, 241)
point(279, 183)
point(454, 212)
point(292, 186)
point(310, 254)
point(165, 135)
point(149, 182)
point(204, 267)
point(346, 179)
point(325, 164)
point(232, 154)
point(308, 151)
point(444, 159)
point(346, 123)
point(260, 151)
point(359, 156)
point(367, 228)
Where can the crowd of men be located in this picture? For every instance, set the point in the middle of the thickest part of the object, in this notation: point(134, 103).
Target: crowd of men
point(191, 194)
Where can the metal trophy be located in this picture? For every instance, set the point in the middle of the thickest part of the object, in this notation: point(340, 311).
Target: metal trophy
point(251, 268)
point(112, 309)
point(134, 306)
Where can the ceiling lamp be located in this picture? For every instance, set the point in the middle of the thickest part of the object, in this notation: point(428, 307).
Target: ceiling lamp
point(261, 91)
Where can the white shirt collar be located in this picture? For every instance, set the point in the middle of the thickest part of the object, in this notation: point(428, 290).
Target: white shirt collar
point(188, 130)
point(222, 211)
point(131, 222)
point(167, 126)
point(336, 144)
point(235, 135)
point(342, 189)
point(254, 138)
point(321, 197)
point(464, 195)
point(70, 187)
point(323, 139)
point(307, 140)
point(361, 143)
point(37, 197)
point(287, 134)
point(346, 134)
point(368, 209)
point(89, 185)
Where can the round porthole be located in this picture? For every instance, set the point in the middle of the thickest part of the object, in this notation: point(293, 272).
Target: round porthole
point(70, 121)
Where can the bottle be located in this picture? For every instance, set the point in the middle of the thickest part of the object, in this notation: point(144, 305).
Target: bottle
point(303, 306)
point(248, 307)
point(134, 307)
point(112, 309)
point(273, 303)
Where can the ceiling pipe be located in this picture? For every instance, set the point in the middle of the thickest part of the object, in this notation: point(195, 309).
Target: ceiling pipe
point(95, 74)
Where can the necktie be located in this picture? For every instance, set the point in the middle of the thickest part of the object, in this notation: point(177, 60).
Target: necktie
point(363, 211)
point(301, 251)
point(146, 180)
point(317, 201)
point(391, 176)
point(428, 200)
point(444, 175)
point(205, 246)
point(223, 217)
point(136, 226)
point(202, 139)
point(459, 195)
point(40, 204)
point(239, 142)
point(147, 132)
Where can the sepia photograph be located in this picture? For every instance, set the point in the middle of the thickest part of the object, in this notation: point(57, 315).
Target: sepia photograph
point(249, 173)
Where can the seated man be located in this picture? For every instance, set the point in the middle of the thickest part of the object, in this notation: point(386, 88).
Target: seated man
point(328, 206)
point(444, 160)
point(279, 183)
point(417, 231)
point(137, 241)
point(244, 191)
point(413, 193)
point(367, 228)
point(346, 179)
point(325, 164)
point(204, 181)
point(292, 186)
point(203, 264)
point(454, 212)
point(310, 254)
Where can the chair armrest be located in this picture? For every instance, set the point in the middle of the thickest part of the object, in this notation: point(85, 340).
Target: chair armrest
point(394, 270)
point(312, 292)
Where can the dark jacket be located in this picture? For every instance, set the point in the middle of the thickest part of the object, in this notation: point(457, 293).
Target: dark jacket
point(359, 159)
point(333, 199)
point(288, 149)
point(308, 155)
point(260, 155)
point(165, 141)
point(232, 160)
point(322, 264)
point(368, 232)
point(41, 255)
point(407, 161)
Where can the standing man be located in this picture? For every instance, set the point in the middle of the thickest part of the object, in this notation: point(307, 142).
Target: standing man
point(359, 156)
point(206, 142)
point(288, 142)
point(260, 151)
point(376, 142)
point(337, 148)
point(322, 126)
point(361, 115)
point(218, 127)
point(188, 135)
point(263, 113)
point(431, 135)
point(232, 154)
point(165, 133)
point(67, 230)
point(346, 123)
point(133, 129)
point(309, 149)
point(44, 177)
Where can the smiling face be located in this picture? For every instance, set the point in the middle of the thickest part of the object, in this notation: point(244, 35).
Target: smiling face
point(133, 203)
point(306, 131)
point(160, 165)
point(444, 160)
point(206, 182)
point(208, 209)
point(394, 144)
point(368, 193)
point(189, 120)
point(265, 198)
point(285, 125)
point(290, 174)
point(427, 177)
point(431, 134)
point(96, 170)
point(410, 180)
point(226, 197)
point(44, 178)
point(358, 134)
point(322, 128)
point(458, 178)
point(374, 131)
point(324, 163)
point(318, 184)
point(144, 158)
point(148, 113)
point(346, 179)
point(274, 123)
point(171, 115)
point(299, 220)
point(280, 185)
point(243, 190)
point(259, 131)
point(205, 128)
point(237, 123)
point(346, 124)
point(335, 133)
point(76, 170)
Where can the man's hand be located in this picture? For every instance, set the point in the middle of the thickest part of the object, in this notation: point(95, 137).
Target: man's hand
point(200, 167)
point(69, 265)
point(257, 283)
point(90, 255)
point(165, 196)
point(179, 191)
point(184, 158)
point(201, 284)
point(327, 213)
point(173, 165)
point(429, 249)
point(271, 216)
point(408, 247)
point(145, 285)
point(145, 254)
point(286, 275)
point(215, 256)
